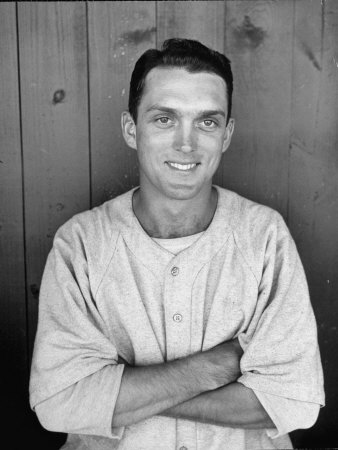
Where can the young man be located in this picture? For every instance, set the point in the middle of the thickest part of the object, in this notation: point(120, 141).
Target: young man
point(177, 315)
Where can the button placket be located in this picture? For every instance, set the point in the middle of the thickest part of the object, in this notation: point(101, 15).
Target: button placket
point(177, 304)
point(186, 435)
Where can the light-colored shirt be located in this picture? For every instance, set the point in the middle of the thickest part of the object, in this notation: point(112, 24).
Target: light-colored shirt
point(108, 289)
point(177, 245)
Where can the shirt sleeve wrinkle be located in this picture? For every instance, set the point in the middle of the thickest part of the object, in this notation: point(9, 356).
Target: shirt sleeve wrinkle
point(71, 343)
point(281, 355)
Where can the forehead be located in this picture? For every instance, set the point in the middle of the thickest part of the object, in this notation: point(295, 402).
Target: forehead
point(167, 84)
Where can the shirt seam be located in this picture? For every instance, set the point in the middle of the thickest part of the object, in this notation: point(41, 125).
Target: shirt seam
point(140, 260)
point(244, 258)
point(108, 263)
point(211, 258)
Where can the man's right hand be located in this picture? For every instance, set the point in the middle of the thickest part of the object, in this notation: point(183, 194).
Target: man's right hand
point(221, 364)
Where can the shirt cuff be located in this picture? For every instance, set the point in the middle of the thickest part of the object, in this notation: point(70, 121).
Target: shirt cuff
point(86, 407)
point(287, 414)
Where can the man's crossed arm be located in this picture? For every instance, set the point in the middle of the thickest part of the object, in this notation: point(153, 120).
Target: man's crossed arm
point(200, 387)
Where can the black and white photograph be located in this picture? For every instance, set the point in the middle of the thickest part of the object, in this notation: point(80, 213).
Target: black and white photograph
point(169, 224)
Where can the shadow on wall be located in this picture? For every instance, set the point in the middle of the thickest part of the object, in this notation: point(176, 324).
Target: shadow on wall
point(22, 428)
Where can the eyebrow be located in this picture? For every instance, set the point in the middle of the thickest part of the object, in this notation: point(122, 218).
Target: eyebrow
point(203, 113)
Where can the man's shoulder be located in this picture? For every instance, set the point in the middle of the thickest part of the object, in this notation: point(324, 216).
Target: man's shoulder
point(255, 228)
point(246, 215)
point(253, 224)
point(100, 221)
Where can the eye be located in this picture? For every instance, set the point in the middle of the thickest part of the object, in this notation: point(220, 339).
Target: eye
point(208, 123)
point(163, 120)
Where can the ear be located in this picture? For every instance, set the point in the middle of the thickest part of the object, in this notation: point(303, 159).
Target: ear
point(228, 134)
point(128, 129)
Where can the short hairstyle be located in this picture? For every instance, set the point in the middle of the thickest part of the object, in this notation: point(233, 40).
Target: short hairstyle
point(181, 53)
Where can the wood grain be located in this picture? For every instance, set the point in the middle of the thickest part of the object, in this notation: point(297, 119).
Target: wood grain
point(259, 38)
point(119, 32)
point(13, 330)
point(53, 68)
point(313, 191)
point(199, 20)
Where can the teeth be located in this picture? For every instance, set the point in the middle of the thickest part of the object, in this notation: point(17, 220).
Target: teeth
point(182, 166)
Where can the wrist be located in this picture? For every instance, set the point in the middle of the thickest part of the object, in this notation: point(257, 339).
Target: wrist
point(192, 372)
point(205, 373)
point(221, 364)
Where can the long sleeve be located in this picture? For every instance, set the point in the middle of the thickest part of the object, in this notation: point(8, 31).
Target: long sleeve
point(75, 377)
point(281, 360)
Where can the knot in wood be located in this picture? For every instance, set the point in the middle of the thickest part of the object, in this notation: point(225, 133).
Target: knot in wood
point(58, 96)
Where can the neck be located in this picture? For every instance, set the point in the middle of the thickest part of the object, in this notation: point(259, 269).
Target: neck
point(170, 218)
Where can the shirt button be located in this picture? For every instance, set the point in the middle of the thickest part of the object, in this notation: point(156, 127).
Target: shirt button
point(177, 318)
point(175, 271)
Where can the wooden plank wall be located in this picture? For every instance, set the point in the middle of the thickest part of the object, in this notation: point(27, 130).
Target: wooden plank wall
point(118, 34)
point(64, 76)
point(13, 329)
point(313, 182)
point(54, 105)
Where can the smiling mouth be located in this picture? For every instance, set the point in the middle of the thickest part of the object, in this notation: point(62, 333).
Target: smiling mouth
point(183, 167)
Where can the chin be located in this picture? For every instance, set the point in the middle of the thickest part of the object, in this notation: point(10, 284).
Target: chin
point(182, 192)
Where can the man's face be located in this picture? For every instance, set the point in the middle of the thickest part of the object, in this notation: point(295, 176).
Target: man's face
point(181, 132)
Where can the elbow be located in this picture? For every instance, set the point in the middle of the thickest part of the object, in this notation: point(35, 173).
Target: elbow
point(49, 418)
point(56, 414)
point(311, 416)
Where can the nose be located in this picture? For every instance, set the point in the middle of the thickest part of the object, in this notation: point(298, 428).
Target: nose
point(186, 148)
point(185, 138)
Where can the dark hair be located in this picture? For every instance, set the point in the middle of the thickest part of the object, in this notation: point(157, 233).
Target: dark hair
point(182, 53)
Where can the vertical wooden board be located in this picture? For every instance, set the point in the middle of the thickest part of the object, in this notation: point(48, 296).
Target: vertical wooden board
point(199, 20)
point(258, 41)
point(53, 69)
point(12, 271)
point(313, 192)
point(119, 32)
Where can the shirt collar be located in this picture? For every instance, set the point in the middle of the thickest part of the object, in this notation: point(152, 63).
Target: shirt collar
point(155, 257)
